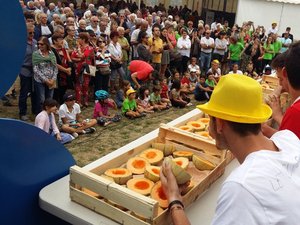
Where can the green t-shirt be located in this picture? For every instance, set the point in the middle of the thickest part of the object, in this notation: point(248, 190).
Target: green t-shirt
point(210, 83)
point(128, 105)
point(155, 98)
point(235, 51)
point(277, 46)
point(268, 56)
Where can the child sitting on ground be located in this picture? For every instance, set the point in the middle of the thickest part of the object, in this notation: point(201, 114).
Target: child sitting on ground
point(155, 99)
point(45, 120)
point(210, 81)
point(164, 94)
point(176, 76)
point(71, 119)
point(178, 99)
point(250, 72)
point(102, 105)
point(193, 78)
point(120, 94)
point(144, 100)
point(193, 66)
point(186, 84)
point(129, 108)
point(202, 91)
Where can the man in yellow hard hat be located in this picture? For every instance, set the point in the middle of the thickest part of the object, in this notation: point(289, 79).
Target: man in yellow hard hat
point(260, 190)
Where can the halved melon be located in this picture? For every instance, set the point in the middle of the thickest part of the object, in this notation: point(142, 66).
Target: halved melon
point(154, 156)
point(158, 194)
point(140, 185)
point(204, 134)
point(180, 174)
point(197, 126)
point(91, 193)
point(152, 173)
point(185, 154)
point(137, 165)
point(204, 120)
point(186, 128)
point(202, 164)
point(120, 175)
point(167, 149)
point(182, 161)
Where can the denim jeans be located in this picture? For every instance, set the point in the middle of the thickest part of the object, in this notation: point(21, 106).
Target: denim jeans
point(42, 92)
point(25, 89)
point(205, 61)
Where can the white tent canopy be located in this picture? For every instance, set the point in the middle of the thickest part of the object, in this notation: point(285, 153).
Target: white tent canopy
point(265, 12)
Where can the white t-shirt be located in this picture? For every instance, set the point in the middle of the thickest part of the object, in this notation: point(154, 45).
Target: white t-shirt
point(184, 42)
point(207, 41)
point(264, 189)
point(45, 30)
point(237, 72)
point(65, 113)
point(115, 50)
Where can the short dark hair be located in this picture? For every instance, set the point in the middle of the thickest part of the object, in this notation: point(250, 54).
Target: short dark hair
point(49, 102)
point(141, 35)
point(176, 84)
point(156, 88)
point(292, 65)
point(55, 37)
point(114, 34)
point(279, 61)
point(84, 36)
point(156, 26)
point(244, 129)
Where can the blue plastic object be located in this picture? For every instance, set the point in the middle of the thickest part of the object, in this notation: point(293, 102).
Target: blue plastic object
point(12, 43)
point(30, 160)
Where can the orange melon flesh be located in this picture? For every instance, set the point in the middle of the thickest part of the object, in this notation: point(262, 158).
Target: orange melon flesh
point(151, 155)
point(157, 193)
point(185, 154)
point(139, 164)
point(142, 185)
point(156, 171)
point(154, 156)
point(179, 163)
point(118, 172)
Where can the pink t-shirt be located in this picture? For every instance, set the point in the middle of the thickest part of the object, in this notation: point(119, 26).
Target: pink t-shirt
point(102, 108)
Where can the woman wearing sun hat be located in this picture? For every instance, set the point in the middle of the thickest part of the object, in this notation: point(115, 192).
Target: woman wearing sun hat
point(260, 190)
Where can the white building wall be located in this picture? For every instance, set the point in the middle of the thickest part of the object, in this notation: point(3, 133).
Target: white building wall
point(263, 13)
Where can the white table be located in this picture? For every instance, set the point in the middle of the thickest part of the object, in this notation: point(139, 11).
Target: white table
point(55, 199)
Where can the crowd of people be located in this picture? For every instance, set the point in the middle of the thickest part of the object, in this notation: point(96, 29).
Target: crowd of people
point(145, 59)
point(137, 61)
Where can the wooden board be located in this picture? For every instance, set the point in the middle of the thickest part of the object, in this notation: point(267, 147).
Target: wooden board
point(89, 189)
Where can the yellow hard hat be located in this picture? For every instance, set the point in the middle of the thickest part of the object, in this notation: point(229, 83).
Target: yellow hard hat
point(237, 98)
point(216, 61)
point(274, 22)
point(130, 91)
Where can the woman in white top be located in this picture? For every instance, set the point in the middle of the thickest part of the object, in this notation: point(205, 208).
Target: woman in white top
point(220, 47)
point(184, 48)
point(116, 54)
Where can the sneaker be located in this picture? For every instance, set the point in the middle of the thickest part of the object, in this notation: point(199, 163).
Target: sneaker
point(90, 130)
point(24, 118)
point(189, 104)
point(75, 135)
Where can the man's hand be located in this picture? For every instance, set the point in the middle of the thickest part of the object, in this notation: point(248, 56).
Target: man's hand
point(169, 183)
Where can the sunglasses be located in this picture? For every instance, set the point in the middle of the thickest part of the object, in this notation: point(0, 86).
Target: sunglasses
point(96, 21)
point(30, 32)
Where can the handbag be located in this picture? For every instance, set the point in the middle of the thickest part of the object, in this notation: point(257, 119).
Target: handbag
point(90, 70)
point(175, 55)
point(115, 65)
point(104, 70)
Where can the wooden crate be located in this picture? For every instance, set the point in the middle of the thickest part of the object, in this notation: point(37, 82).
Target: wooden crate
point(272, 81)
point(229, 156)
point(91, 190)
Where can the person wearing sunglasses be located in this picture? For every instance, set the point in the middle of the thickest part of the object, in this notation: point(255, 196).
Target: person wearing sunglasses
point(94, 26)
point(44, 71)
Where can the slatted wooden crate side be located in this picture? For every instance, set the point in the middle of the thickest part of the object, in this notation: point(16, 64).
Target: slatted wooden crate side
point(101, 207)
point(122, 196)
point(121, 159)
point(270, 79)
point(177, 135)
